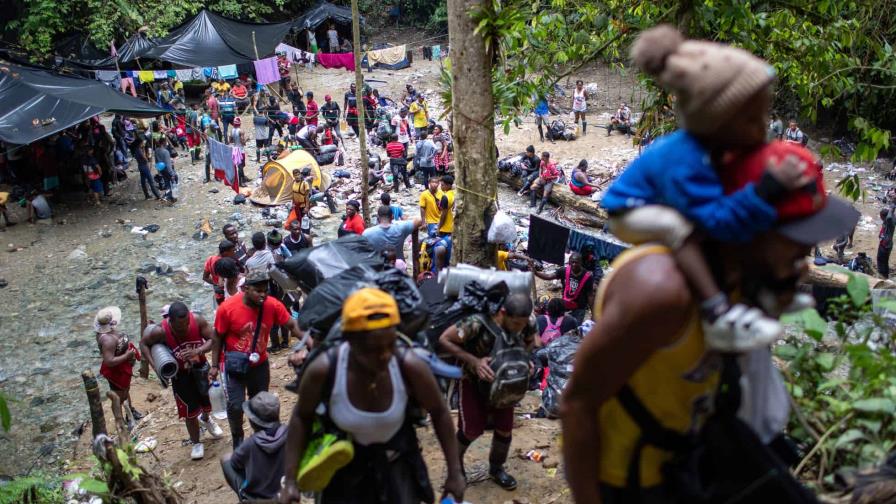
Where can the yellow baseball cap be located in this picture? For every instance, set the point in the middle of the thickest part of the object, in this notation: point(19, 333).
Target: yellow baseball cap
point(369, 309)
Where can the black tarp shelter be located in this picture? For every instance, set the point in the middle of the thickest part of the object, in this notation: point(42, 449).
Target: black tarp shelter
point(212, 40)
point(319, 18)
point(35, 103)
point(133, 48)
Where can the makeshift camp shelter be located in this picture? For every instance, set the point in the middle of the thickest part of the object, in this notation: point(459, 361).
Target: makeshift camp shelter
point(386, 57)
point(319, 19)
point(128, 53)
point(277, 179)
point(35, 103)
point(209, 39)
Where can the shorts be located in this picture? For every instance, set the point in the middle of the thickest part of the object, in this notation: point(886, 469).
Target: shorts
point(581, 191)
point(190, 401)
point(475, 414)
point(96, 186)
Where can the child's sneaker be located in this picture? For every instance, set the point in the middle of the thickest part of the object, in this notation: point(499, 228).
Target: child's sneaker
point(198, 451)
point(741, 329)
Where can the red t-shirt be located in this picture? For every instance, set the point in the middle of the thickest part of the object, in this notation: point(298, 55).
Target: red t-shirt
point(394, 150)
point(210, 267)
point(355, 224)
point(236, 322)
point(311, 110)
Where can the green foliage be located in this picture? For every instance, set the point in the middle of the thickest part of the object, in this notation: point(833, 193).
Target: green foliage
point(5, 416)
point(102, 21)
point(32, 490)
point(830, 56)
point(846, 385)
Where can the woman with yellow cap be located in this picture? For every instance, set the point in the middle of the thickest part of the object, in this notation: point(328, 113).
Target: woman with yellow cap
point(365, 385)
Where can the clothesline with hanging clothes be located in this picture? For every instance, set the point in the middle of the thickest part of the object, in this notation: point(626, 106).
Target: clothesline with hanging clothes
point(545, 235)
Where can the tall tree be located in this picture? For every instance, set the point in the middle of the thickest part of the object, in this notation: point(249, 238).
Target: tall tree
point(473, 130)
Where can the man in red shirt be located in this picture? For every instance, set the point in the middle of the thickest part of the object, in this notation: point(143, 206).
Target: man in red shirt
point(225, 249)
point(547, 176)
point(311, 109)
point(243, 326)
point(398, 162)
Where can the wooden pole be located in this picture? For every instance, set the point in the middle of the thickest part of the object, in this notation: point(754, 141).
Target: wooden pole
point(97, 418)
point(142, 284)
point(362, 130)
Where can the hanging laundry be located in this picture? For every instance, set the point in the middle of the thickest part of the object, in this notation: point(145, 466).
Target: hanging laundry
point(146, 76)
point(436, 52)
point(387, 56)
point(227, 72)
point(427, 53)
point(183, 75)
point(110, 78)
point(160, 74)
point(292, 54)
point(266, 71)
point(337, 60)
point(547, 240)
point(172, 74)
point(197, 74)
point(222, 162)
point(127, 83)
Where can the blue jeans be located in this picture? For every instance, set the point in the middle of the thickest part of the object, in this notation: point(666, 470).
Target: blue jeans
point(146, 178)
point(241, 388)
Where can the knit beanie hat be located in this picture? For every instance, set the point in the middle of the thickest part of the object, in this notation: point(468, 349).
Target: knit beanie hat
point(711, 81)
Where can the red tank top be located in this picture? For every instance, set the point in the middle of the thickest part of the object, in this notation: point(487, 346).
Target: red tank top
point(178, 346)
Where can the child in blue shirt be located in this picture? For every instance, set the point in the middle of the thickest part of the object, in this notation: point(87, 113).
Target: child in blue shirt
point(722, 98)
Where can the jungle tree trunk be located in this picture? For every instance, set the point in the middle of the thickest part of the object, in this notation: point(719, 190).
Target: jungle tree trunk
point(473, 130)
point(362, 130)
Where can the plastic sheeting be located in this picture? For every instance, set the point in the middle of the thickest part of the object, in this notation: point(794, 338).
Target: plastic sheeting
point(36, 103)
point(310, 267)
point(133, 48)
point(323, 12)
point(212, 40)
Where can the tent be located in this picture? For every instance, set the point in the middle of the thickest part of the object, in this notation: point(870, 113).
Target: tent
point(212, 40)
point(35, 103)
point(133, 48)
point(276, 178)
point(388, 57)
point(319, 18)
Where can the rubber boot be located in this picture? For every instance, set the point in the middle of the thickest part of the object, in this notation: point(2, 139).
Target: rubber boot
point(532, 197)
point(584, 127)
point(497, 457)
point(541, 205)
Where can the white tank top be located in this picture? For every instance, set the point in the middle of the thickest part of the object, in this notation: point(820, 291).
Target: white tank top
point(578, 100)
point(367, 427)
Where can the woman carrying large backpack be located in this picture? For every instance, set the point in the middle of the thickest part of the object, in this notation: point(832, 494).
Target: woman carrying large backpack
point(361, 447)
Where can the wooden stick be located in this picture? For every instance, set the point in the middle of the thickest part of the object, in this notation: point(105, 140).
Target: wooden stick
point(362, 123)
point(97, 418)
point(142, 284)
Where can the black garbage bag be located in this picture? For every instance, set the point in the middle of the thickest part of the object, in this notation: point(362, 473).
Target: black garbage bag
point(557, 130)
point(473, 299)
point(327, 155)
point(323, 306)
point(310, 267)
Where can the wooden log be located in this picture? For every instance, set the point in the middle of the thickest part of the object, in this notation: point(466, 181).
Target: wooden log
point(97, 418)
point(832, 278)
point(142, 284)
point(561, 196)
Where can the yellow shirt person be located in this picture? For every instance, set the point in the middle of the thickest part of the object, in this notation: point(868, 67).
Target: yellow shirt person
point(420, 111)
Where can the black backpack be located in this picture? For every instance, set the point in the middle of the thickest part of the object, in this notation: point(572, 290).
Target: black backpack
point(724, 463)
point(510, 363)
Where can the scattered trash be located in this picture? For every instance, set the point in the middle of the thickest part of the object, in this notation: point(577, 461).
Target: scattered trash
point(205, 229)
point(151, 228)
point(147, 445)
point(214, 190)
point(534, 455)
point(3, 283)
point(239, 199)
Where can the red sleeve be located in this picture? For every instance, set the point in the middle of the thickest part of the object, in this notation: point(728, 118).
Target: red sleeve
point(222, 323)
point(357, 225)
point(281, 314)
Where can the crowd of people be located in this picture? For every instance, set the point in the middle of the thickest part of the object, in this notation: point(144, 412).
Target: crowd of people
point(720, 242)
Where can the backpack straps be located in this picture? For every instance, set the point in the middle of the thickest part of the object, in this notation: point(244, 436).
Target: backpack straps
point(652, 433)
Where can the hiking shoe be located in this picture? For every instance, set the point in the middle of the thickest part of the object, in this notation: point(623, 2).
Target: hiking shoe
point(198, 451)
point(741, 329)
point(325, 455)
point(211, 427)
point(504, 480)
point(136, 414)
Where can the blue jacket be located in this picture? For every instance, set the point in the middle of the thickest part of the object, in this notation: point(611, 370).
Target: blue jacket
point(676, 171)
